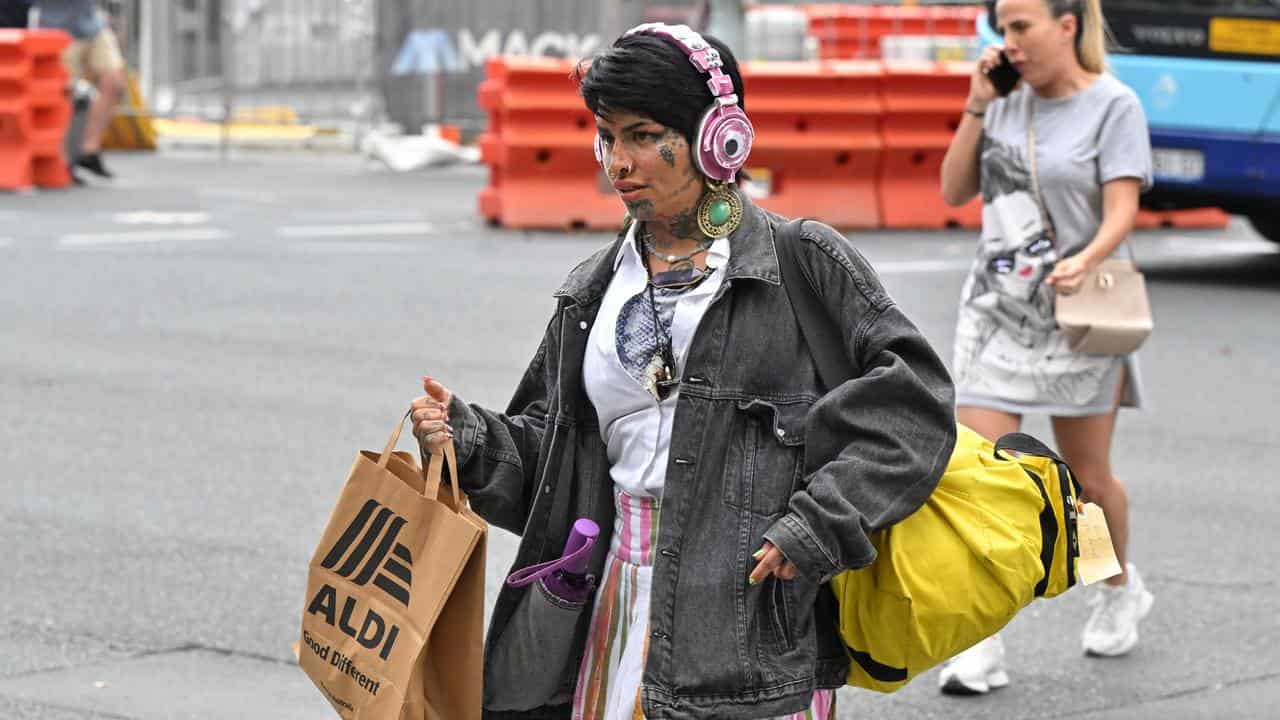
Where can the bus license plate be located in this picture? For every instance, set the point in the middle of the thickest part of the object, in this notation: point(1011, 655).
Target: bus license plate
point(1177, 164)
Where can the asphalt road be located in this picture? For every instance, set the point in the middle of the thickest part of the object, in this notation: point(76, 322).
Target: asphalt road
point(190, 358)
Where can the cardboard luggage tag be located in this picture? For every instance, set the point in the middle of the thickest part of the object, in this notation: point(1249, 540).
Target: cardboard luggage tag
point(1097, 559)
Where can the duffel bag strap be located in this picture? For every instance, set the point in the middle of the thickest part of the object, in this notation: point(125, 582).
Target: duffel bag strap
point(1070, 487)
point(820, 332)
point(1026, 445)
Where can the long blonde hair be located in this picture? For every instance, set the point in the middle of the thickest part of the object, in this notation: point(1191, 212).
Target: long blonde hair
point(1091, 37)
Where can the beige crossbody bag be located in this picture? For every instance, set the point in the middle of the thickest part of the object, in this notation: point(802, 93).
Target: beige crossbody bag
point(1110, 313)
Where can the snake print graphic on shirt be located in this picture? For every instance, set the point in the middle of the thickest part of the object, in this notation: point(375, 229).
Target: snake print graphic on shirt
point(637, 342)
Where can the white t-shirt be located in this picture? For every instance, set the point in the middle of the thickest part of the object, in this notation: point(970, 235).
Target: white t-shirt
point(635, 427)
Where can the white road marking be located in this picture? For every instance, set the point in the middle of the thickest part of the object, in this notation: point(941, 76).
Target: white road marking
point(1190, 247)
point(361, 230)
point(157, 217)
point(135, 237)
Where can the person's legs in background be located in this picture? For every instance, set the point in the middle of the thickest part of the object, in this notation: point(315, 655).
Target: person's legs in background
point(980, 668)
point(104, 66)
point(1085, 443)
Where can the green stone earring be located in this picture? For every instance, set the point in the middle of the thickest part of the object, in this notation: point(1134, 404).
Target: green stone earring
point(719, 210)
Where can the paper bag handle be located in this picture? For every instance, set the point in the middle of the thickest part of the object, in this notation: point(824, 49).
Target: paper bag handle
point(432, 466)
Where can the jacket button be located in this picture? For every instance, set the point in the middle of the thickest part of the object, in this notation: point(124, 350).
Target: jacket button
point(782, 433)
point(582, 325)
point(548, 488)
point(684, 461)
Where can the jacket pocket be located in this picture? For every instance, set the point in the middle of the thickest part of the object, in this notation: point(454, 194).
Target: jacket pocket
point(528, 663)
point(765, 464)
point(780, 606)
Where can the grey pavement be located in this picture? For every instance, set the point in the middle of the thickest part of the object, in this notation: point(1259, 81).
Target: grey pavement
point(190, 358)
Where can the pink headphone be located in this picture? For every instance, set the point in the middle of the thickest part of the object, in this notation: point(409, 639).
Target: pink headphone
point(724, 133)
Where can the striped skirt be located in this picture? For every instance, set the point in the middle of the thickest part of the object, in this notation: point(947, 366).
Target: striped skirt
point(609, 679)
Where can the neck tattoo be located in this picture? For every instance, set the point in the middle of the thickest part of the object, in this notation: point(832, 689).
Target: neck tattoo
point(681, 272)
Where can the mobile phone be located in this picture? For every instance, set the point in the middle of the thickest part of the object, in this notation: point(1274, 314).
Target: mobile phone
point(1004, 76)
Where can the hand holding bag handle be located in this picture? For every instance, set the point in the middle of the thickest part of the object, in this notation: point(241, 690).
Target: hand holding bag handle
point(432, 466)
point(1110, 313)
point(421, 640)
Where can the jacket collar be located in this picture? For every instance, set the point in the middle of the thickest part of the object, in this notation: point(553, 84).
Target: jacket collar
point(752, 253)
point(752, 256)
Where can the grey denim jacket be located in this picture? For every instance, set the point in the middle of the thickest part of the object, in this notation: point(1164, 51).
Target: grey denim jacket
point(759, 450)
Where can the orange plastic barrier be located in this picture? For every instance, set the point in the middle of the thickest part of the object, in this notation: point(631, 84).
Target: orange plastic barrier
point(818, 146)
point(538, 148)
point(923, 103)
point(816, 154)
point(855, 31)
point(489, 98)
point(34, 111)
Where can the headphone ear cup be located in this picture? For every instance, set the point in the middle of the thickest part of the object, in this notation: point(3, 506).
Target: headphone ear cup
point(725, 136)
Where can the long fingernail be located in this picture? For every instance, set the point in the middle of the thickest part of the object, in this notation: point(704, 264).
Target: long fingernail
point(752, 581)
point(758, 554)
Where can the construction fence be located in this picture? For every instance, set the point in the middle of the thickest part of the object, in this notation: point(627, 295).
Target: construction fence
point(350, 65)
point(288, 63)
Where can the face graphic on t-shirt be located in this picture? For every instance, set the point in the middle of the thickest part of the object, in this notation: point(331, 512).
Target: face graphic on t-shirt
point(1016, 252)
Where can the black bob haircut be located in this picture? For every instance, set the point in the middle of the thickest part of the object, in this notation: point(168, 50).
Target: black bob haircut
point(648, 75)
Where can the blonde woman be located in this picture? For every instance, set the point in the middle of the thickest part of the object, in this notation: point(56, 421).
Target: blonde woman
point(1092, 158)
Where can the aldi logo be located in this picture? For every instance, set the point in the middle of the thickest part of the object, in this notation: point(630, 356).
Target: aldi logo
point(368, 551)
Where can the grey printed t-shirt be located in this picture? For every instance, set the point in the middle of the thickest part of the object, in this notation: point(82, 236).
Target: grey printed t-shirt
point(1009, 353)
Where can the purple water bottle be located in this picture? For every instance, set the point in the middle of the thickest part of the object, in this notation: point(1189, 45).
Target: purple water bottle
point(565, 577)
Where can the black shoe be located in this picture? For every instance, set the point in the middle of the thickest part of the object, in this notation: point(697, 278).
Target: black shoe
point(93, 163)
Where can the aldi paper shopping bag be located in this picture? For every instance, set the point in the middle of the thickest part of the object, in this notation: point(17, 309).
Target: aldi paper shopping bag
point(392, 628)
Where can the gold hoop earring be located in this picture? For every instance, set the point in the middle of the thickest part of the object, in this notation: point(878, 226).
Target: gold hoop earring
point(719, 210)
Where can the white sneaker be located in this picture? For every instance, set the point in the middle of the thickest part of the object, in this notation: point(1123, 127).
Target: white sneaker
point(1112, 629)
point(976, 670)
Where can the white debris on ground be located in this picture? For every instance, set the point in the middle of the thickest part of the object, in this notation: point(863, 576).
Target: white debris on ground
point(403, 153)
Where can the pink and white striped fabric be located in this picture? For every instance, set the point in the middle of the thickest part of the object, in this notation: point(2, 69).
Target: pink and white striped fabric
point(609, 679)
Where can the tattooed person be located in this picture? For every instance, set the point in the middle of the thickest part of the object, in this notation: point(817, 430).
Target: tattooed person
point(674, 401)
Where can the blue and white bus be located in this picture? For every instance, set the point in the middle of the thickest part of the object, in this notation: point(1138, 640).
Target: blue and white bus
point(1208, 74)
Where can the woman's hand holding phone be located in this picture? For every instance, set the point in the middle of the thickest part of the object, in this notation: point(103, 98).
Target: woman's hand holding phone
point(993, 77)
point(1004, 76)
point(981, 90)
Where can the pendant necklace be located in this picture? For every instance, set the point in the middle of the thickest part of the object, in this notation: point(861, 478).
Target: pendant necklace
point(658, 375)
point(681, 271)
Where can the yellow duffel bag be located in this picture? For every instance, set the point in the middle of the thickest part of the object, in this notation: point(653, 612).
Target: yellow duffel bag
point(997, 532)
